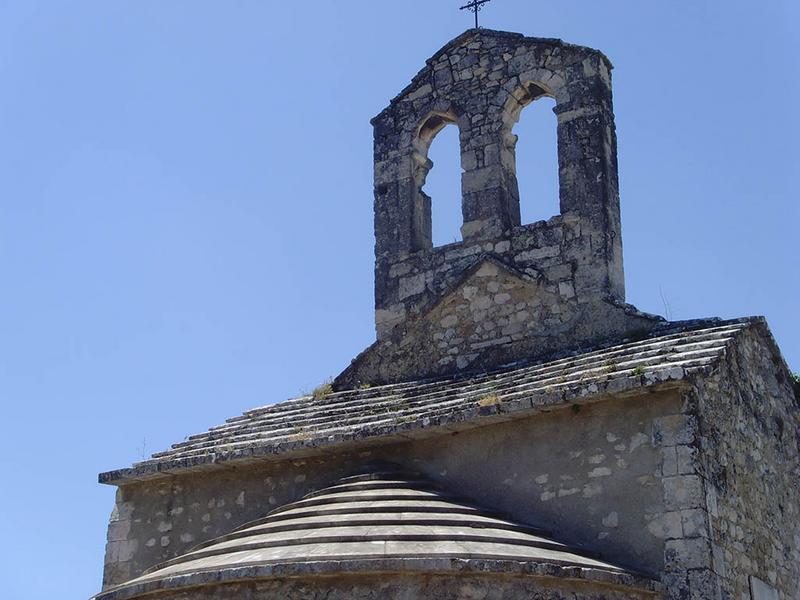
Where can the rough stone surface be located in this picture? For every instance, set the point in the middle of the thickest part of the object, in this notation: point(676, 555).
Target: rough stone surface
point(747, 454)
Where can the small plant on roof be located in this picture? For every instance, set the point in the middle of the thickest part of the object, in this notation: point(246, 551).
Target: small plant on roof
point(365, 386)
point(609, 367)
point(489, 400)
point(322, 390)
point(403, 419)
point(639, 370)
point(299, 437)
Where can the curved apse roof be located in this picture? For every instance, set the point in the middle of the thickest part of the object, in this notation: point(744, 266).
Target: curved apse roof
point(378, 521)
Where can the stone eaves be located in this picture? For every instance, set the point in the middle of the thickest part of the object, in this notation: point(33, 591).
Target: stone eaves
point(345, 420)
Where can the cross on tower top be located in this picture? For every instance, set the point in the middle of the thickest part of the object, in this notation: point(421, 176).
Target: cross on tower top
point(475, 6)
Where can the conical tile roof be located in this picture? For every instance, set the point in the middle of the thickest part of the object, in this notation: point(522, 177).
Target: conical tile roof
point(385, 516)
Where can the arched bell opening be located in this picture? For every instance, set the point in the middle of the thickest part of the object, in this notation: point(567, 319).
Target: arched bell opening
point(437, 201)
point(530, 154)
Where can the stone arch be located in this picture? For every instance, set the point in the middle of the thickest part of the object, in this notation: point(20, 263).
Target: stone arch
point(527, 93)
point(427, 129)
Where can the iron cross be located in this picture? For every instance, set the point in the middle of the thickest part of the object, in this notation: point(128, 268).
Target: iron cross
point(475, 6)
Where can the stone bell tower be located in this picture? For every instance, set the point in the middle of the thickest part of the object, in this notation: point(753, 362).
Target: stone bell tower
point(510, 291)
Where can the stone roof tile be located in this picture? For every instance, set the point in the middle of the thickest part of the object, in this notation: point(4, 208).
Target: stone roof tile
point(303, 426)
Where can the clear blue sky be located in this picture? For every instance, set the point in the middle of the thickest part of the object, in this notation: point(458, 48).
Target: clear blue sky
point(186, 210)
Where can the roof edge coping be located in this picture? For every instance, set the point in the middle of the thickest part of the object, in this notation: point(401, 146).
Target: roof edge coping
point(468, 417)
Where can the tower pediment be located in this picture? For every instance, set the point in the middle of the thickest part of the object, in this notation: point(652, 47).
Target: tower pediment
point(491, 316)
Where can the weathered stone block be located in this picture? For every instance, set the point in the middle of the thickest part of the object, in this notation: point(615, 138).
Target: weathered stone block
point(687, 554)
point(683, 491)
point(675, 429)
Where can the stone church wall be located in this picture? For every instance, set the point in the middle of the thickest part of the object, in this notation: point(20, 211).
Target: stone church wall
point(592, 477)
point(749, 436)
point(160, 519)
point(593, 474)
